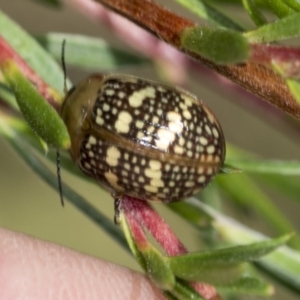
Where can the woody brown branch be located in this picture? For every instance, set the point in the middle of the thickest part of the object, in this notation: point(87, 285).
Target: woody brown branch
point(256, 78)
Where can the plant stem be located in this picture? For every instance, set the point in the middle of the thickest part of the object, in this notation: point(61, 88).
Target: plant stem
point(141, 213)
point(256, 78)
point(8, 53)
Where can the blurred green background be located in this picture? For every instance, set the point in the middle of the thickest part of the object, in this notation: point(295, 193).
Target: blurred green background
point(28, 205)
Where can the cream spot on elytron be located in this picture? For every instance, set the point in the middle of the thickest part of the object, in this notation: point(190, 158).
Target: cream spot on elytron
point(141, 179)
point(150, 129)
point(187, 114)
point(209, 171)
point(109, 92)
point(210, 158)
point(99, 120)
point(113, 179)
point(181, 141)
point(167, 167)
point(199, 130)
point(210, 149)
point(155, 164)
point(159, 112)
point(215, 132)
point(189, 183)
point(165, 136)
point(201, 179)
point(187, 100)
point(190, 153)
point(106, 107)
point(200, 170)
point(155, 174)
point(161, 89)
point(123, 122)
point(121, 95)
point(207, 129)
point(155, 120)
point(139, 124)
point(178, 149)
point(173, 116)
point(112, 156)
point(176, 127)
point(140, 135)
point(157, 183)
point(87, 165)
point(203, 140)
point(124, 173)
point(151, 189)
point(137, 98)
point(171, 183)
point(176, 169)
point(92, 140)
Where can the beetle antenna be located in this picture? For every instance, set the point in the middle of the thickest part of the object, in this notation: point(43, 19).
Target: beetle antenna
point(59, 177)
point(57, 151)
point(64, 66)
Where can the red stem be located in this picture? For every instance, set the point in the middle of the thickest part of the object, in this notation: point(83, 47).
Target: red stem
point(8, 53)
point(140, 214)
point(157, 227)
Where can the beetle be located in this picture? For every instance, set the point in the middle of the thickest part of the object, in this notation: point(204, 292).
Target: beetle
point(141, 138)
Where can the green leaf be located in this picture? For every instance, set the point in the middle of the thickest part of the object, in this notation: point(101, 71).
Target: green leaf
point(294, 4)
point(285, 69)
point(87, 52)
point(254, 13)
point(221, 265)
point(158, 269)
point(250, 286)
point(40, 115)
point(294, 86)
point(285, 28)
point(288, 186)
point(39, 60)
point(183, 291)
point(148, 257)
point(209, 13)
point(229, 169)
point(283, 263)
point(243, 190)
point(267, 166)
point(8, 96)
point(190, 213)
point(218, 45)
point(54, 3)
point(214, 275)
point(278, 7)
point(122, 221)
